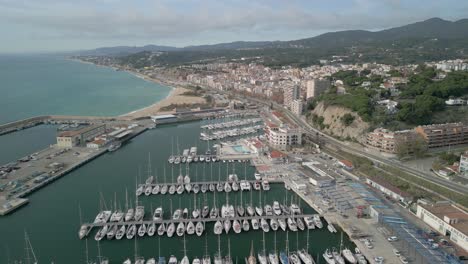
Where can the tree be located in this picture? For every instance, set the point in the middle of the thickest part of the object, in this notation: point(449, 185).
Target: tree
point(347, 119)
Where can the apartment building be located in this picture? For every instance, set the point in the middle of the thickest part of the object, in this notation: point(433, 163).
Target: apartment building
point(283, 136)
point(290, 94)
point(463, 167)
point(387, 141)
point(316, 86)
point(297, 107)
point(444, 135)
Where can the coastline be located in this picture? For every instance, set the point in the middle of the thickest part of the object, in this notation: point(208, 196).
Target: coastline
point(174, 97)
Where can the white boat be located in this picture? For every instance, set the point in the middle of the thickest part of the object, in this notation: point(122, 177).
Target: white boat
point(235, 186)
point(129, 215)
point(276, 208)
point(177, 160)
point(240, 210)
point(349, 256)
point(218, 228)
point(317, 222)
point(127, 261)
point(148, 190)
point(245, 185)
point(142, 230)
point(227, 225)
point(236, 226)
point(120, 232)
point(300, 224)
point(264, 224)
point(250, 210)
point(171, 159)
point(292, 224)
point(305, 257)
point(156, 189)
point(185, 213)
point(258, 176)
point(164, 189)
point(139, 213)
point(328, 256)
point(172, 189)
point(117, 216)
point(205, 211)
point(285, 209)
point(294, 258)
point(337, 256)
point(101, 233)
point(212, 187)
point(196, 188)
point(196, 261)
point(227, 187)
point(158, 214)
point(131, 231)
point(203, 188)
point(102, 217)
point(149, 180)
point(180, 231)
point(180, 189)
point(257, 186)
point(151, 229)
point(151, 261)
point(196, 213)
point(309, 221)
point(188, 187)
point(282, 224)
point(214, 212)
point(112, 232)
point(190, 228)
point(219, 187)
point(173, 260)
point(268, 210)
point(331, 228)
point(255, 224)
point(161, 229)
point(245, 225)
point(140, 190)
point(199, 228)
point(180, 179)
point(83, 231)
point(259, 210)
point(170, 230)
point(273, 258)
point(187, 179)
point(274, 224)
point(265, 185)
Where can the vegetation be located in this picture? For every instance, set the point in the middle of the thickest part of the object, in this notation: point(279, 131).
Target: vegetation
point(347, 119)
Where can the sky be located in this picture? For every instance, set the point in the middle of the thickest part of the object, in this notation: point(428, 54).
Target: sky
point(67, 25)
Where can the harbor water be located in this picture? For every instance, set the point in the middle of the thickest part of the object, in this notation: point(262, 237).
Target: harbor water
point(52, 217)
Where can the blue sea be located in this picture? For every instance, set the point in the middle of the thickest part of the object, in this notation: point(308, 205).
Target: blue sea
point(32, 85)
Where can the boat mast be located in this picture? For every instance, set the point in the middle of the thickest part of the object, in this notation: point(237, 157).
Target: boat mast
point(287, 243)
point(79, 210)
point(307, 245)
point(275, 243)
point(99, 252)
point(87, 256)
point(263, 240)
point(126, 199)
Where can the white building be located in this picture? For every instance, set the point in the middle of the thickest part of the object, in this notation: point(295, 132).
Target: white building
point(316, 86)
point(463, 169)
point(290, 94)
point(283, 136)
point(448, 220)
point(297, 107)
point(455, 101)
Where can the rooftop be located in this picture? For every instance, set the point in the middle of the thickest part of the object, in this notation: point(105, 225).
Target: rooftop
point(389, 186)
point(452, 212)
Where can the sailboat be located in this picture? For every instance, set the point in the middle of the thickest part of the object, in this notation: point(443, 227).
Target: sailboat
point(112, 232)
point(293, 257)
point(151, 229)
point(185, 259)
point(337, 256)
point(284, 255)
point(282, 223)
point(199, 228)
point(304, 253)
point(274, 224)
point(190, 228)
point(84, 228)
point(180, 231)
point(161, 229)
point(164, 187)
point(262, 258)
point(349, 256)
point(161, 259)
point(300, 224)
point(251, 259)
point(120, 232)
point(273, 255)
point(142, 230)
point(264, 225)
point(170, 230)
point(255, 224)
point(227, 225)
point(218, 259)
point(240, 208)
point(228, 258)
point(245, 225)
point(131, 231)
point(236, 226)
point(218, 228)
point(29, 249)
point(206, 257)
point(328, 256)
point(259, 208)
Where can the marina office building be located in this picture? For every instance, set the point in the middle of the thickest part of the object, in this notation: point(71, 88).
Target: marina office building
point(448, 220)
point(72, 138)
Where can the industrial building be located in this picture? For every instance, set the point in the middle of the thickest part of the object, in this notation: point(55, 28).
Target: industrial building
point(317, 175)
point(389, 190)
point(448, 220)
point(72, 138)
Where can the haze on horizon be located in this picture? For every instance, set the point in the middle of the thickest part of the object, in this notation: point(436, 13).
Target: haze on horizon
point(64, 25)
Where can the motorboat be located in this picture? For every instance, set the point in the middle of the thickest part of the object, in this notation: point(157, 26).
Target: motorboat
point(282, 223)
point(317, 222)
point(129, 215)
point(180, 230)
point(274, 224)
point(142, 230)
point(349, 256)
point(156, 189)
point(337, 256)
point(276, 208)
point(305, 257)
point(300, 224)
point(292, 224)
point(236, 226)
point(264, 224)
point(309, 221)
point(245, 225)
point(218, 228)
point(268, 210)
point(161, 229)
point(245, 185)
point(295, 209)
point(190, 228)
point(331, 228)
point(199, 228)
point(158, 214)
point(185, 213)
point(205, 211)
point(257, 186)
point(255, 224)
point(227, 225)
point(151, 229)
point(265, 185)
point(139, 213)
point(131, 231)
point(170, 230)
point(258, 176)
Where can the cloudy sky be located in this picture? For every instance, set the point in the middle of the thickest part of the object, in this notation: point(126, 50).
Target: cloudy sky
point(62, 25)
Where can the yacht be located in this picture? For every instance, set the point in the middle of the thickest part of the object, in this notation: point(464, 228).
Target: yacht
point(142, 230)
point(199, 228)
point(177, 214)
point(349, 256)
point(276, 208)
point(112, 232)
point(156, 189)
point(218, 228)
point(317, 222)
point(255, 224)
point(129, 215)
point(227, 225)
point(282, 223)
point(101, 233)
point(158, 214)
point(245, 185)
point(295, 209)
point(120, 233)
point(337, 256)
point(292, 224)
point(170, 230)
point(151, 229)
point(139, 213)
point(328, 256)
point(196, 213)
point(236, 226)
point(245, 225)
point(264, 224)
point(300, 224)
point(274, 224)
point(268, 210)
point(161, 229)
point(131, 231)
point(190, 228)
point(309, 221)
point(173, 260)
point(257, 186)
point(265, 185)
point(258, 176)
point(172, 189)
point(180, 231)
point(204, 188)
point(305, 257)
